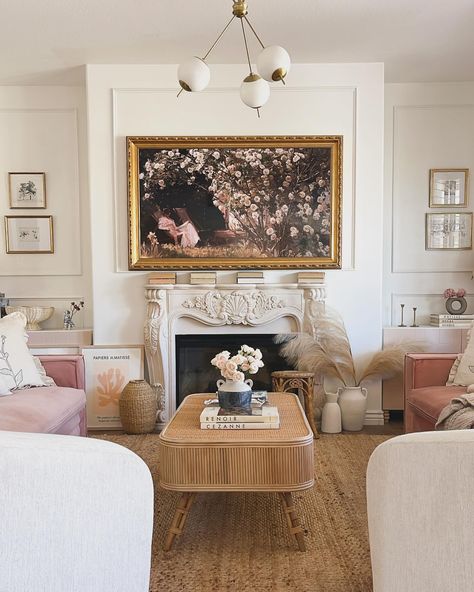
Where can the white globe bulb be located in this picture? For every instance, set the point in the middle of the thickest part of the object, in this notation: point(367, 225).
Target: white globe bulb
point(273, 63)
point(194, 75)
point(254, 91)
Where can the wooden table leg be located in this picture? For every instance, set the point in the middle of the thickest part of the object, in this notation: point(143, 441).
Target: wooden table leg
point(293, 520)
point(308, 397)
point(179, 518)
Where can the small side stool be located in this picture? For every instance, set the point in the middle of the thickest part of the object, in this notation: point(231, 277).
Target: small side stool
point(286, 380)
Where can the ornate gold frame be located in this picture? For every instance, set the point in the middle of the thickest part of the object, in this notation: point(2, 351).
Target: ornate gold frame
point(136, 143)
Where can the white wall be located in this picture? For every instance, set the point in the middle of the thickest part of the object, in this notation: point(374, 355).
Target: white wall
point(318, 99)
point(44, 129)
point(426, 126)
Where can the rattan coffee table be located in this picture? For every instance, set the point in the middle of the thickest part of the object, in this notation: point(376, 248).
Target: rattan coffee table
point(194, 460)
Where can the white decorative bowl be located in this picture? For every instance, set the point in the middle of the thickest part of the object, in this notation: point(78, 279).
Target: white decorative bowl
point(34, 315)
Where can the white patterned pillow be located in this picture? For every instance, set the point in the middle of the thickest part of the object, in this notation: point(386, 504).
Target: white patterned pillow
point(47, 380)
point(4, 390)
point(17, 366)
point(462, 372)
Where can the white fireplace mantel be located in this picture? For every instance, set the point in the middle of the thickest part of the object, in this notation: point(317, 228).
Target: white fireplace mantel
point(227, 308)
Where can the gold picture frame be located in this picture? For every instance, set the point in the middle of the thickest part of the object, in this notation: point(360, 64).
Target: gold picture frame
point(27, 191)
point(29, 234)
point(449, 188)
point(448, 231)
point(231, 202)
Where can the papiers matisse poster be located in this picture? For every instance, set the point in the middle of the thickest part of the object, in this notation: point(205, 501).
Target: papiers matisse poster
point(234, 202)
point(107, 371)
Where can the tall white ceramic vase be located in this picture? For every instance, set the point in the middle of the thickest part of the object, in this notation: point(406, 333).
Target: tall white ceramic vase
point(353, 403)
point(331, 415)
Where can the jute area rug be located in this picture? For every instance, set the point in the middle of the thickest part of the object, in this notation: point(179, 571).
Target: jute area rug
point(240, 542)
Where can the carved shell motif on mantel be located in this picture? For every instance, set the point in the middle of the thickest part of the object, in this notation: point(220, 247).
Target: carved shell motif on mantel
point(235, 308)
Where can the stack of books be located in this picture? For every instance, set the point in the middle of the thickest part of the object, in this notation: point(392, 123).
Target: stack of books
point(162, 277)
point(250, 277)
point(463, 321)
point(311, 277)
point(203, 277)
point(256, 418)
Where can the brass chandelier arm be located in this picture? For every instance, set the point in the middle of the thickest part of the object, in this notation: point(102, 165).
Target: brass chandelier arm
point(254, 32)
point(246, 45)
point(218, 39)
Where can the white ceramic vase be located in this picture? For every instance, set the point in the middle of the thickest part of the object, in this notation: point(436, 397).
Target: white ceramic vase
point(234, 393)
point(353, 403)
point(331, 415)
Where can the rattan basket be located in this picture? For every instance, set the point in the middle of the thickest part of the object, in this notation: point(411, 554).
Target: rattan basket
point(138, 407)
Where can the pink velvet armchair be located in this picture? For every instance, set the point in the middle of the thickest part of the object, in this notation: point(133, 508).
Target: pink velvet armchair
point(59, 409)
point(425, 388)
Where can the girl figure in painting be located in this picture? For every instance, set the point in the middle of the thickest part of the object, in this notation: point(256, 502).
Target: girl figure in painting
point(184, 235)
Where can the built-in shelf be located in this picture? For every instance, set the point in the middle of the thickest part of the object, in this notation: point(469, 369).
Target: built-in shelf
point(59, 341)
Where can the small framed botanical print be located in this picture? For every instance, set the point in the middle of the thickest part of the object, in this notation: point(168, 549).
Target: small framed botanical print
point(448, 188)
point(29, 234)
point(450, 231)
point(27, 190)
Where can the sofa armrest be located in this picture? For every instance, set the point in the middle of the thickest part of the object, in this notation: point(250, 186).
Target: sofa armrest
point(427, 370)
point(65, 370)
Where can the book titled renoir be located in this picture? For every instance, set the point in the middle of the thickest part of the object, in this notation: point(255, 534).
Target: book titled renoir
point(264, 418)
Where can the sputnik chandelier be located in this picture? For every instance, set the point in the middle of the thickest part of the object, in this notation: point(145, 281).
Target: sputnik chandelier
point(273, 64)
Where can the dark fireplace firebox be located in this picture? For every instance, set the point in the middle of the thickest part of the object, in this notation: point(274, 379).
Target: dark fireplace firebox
point(194, 373)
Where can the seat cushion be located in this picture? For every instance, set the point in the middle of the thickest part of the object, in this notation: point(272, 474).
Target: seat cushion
point(40, 410)
point(430, 400)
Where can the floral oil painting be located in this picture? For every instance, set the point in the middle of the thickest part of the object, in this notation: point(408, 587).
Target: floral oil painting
point(233, 202)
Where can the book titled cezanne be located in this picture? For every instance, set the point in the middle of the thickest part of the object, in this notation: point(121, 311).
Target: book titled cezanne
point(261, 418)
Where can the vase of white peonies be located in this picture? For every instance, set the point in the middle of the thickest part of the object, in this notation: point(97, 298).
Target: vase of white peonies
point(236, 391)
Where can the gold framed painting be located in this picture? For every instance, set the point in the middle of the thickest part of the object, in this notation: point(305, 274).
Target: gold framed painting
point(108, 369)
point(449, 188)
point(263, 202)
point(29, 234)
point(27, 190)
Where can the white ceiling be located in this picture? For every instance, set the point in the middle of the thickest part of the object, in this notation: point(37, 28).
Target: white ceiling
point(45, 41)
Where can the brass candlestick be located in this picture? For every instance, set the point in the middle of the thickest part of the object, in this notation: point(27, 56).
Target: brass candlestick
point(402, 306)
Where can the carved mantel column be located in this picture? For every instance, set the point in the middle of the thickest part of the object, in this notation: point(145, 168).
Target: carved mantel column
point(155, 330)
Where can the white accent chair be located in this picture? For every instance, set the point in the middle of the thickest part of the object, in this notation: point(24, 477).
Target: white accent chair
point(76, 515)
point(420, 510)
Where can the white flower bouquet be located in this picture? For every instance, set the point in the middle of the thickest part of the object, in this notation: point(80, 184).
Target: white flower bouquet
point(247, 359)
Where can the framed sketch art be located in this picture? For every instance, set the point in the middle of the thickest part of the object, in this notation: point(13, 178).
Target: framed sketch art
point(448, 188)
point(233, 202)
point(29, 234)
point(451, 230)
point(108, 369)
point(27, 190)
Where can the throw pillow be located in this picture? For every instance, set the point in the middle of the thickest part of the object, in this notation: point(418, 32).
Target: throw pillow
point(462, 371)
point(47, 380)
point(17, 366)
point(4, 390)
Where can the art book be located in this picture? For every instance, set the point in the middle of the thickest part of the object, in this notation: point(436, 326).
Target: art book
point(260, 414)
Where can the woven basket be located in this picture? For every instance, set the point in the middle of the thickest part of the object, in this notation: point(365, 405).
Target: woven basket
point(138, 407)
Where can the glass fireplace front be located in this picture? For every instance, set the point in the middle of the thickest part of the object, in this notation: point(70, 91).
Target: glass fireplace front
point(194, 373)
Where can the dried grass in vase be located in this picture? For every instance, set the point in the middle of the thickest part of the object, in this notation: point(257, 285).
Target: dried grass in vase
point(329, 353)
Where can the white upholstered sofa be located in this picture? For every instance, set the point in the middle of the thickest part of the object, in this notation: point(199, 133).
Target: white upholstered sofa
point(76, 515)
point(421, 523)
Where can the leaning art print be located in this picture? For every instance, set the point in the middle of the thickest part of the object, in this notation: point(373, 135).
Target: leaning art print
point(234, 202)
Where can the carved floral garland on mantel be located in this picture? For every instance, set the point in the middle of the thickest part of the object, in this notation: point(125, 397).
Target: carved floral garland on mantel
point(235, 308)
